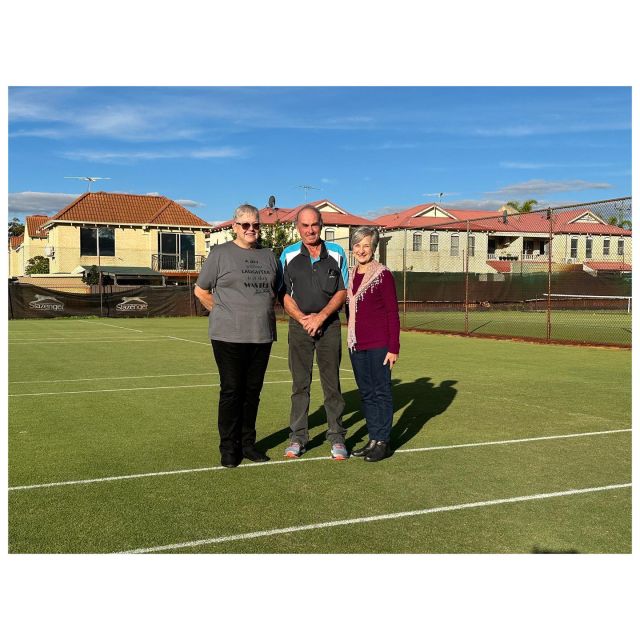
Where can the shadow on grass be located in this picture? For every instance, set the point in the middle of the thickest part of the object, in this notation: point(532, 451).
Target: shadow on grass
point(419, 400)
point(538, 549)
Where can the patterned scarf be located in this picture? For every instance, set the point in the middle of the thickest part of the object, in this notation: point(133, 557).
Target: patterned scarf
point(371, 278)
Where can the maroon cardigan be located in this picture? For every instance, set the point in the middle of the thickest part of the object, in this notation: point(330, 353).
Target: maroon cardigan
point(377, 319)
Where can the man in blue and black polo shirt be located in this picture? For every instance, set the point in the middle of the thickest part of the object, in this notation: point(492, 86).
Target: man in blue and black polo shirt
point(315, 279)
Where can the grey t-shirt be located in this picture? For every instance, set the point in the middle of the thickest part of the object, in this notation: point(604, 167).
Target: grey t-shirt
point(244, 285)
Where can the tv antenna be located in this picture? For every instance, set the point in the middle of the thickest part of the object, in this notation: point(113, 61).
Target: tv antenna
point(441, 194)
point(86, 179)
point(307, 188)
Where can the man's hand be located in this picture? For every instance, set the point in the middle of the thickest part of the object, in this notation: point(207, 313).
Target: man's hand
point(312, 322)
point(391, 359)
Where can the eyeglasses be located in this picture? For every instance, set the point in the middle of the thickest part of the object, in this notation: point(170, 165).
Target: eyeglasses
point(249, 225)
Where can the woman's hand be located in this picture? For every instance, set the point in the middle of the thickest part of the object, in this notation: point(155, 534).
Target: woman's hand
point(391, 359)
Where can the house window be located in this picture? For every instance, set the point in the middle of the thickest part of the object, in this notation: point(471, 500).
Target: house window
point(455, 246)
point(589, 247)
point(620, 246)
point(177, 251)
point(471, 244)
point(329, 234)
point(417, 242)
point(433, 242)
point(574, 247)
point(97, 242)
point(606, 245)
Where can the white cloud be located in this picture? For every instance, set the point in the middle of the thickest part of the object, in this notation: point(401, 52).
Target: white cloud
point(32, 202)
point(535, 187)
point(124, 157)
point(193, 204)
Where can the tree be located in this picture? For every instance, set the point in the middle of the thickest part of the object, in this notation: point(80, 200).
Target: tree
point(91, 276)
point(277, 236)
point(525, 207)
point(619, 222)
point(16, 228)
point(37, 264)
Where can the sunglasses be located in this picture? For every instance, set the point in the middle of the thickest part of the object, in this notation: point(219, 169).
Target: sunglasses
point(249, 225)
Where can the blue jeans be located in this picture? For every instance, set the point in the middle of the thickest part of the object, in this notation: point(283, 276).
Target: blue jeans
point(374, 383)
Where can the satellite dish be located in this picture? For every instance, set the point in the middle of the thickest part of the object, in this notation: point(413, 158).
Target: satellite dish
point(272, 202)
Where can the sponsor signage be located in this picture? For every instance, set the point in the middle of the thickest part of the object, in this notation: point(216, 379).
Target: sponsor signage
point(46, 303)
point(132, 304)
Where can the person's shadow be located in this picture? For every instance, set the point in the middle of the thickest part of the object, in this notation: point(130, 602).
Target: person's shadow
point(420, 399)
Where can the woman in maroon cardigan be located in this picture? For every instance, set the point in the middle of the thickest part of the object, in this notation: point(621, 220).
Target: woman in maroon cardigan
point(374, 340)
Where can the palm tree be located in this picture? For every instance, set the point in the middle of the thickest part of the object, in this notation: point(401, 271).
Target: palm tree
point(525, 207)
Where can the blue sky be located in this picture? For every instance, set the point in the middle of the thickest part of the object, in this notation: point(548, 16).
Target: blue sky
point(369, 149)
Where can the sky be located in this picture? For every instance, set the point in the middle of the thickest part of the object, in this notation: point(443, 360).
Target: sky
point(371, 150)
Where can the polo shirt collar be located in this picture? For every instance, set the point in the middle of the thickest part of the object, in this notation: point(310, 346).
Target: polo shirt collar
point(323, 250)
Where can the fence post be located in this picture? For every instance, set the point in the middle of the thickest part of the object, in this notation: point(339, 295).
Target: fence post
point(550, 219)
point(404, 287)
point(465, 262)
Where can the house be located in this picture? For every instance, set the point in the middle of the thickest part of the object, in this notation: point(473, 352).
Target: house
point(429, 237)
point(131, 238)
point(337, 222)
point(28, 245)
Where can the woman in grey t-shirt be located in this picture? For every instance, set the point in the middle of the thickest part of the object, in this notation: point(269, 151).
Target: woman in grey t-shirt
point(238, 285)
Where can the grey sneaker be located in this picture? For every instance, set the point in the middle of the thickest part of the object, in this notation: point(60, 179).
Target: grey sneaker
point(339, 451)
point(294, 450)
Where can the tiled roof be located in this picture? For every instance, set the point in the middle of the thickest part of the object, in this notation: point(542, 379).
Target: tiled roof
point(329, 218)
point(121, 208)
point(16, 241)
point(494, 221)
point(608, 266)
point(33, 224)
point(502, 266)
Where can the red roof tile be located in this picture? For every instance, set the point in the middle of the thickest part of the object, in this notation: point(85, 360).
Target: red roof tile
point(121, 208)
point(329, 218)
point(608, 266)
point(503, 266)
point(33, 224)
point(494, 221)
point(16, 241)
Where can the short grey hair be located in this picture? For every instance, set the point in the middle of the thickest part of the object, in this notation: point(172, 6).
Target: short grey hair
point(309, 208)
point(364, 232)
point(245, 210)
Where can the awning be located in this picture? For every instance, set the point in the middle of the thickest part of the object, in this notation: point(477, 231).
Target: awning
point(145, 272)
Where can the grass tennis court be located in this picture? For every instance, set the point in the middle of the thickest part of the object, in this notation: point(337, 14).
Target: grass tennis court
point(502, 447)
point(603, 326)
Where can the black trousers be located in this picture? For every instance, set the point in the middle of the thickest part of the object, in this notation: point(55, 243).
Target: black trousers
point(241, 367)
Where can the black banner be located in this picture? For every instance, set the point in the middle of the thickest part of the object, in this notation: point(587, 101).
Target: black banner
point(28, 301)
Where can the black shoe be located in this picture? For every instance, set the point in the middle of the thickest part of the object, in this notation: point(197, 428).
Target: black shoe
point(379, 452)
point(229, 460)
point(251, 453)
point(359, 453)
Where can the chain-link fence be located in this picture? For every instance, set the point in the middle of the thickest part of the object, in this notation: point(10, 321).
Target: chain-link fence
point(556, 274)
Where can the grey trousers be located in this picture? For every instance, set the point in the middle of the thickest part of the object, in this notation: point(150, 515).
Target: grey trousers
point(328, 350)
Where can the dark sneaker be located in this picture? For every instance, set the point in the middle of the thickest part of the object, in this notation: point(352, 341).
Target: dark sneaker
point(339, 451)
point(379, 452)
point(294, 450)
point(359, 453)
point(251, 453)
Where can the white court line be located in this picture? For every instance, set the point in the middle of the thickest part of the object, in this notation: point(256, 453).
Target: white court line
point(152, 474)
point(107, 324)
point(161, 375)
point(378, 518)
point(185, 340)
point(184, 386)
point(64, 341)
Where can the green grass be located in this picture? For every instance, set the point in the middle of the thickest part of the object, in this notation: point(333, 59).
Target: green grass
point(447, 390)
point(595, 327)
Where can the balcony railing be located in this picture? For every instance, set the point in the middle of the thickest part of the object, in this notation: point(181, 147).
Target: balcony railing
point(172, 262)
